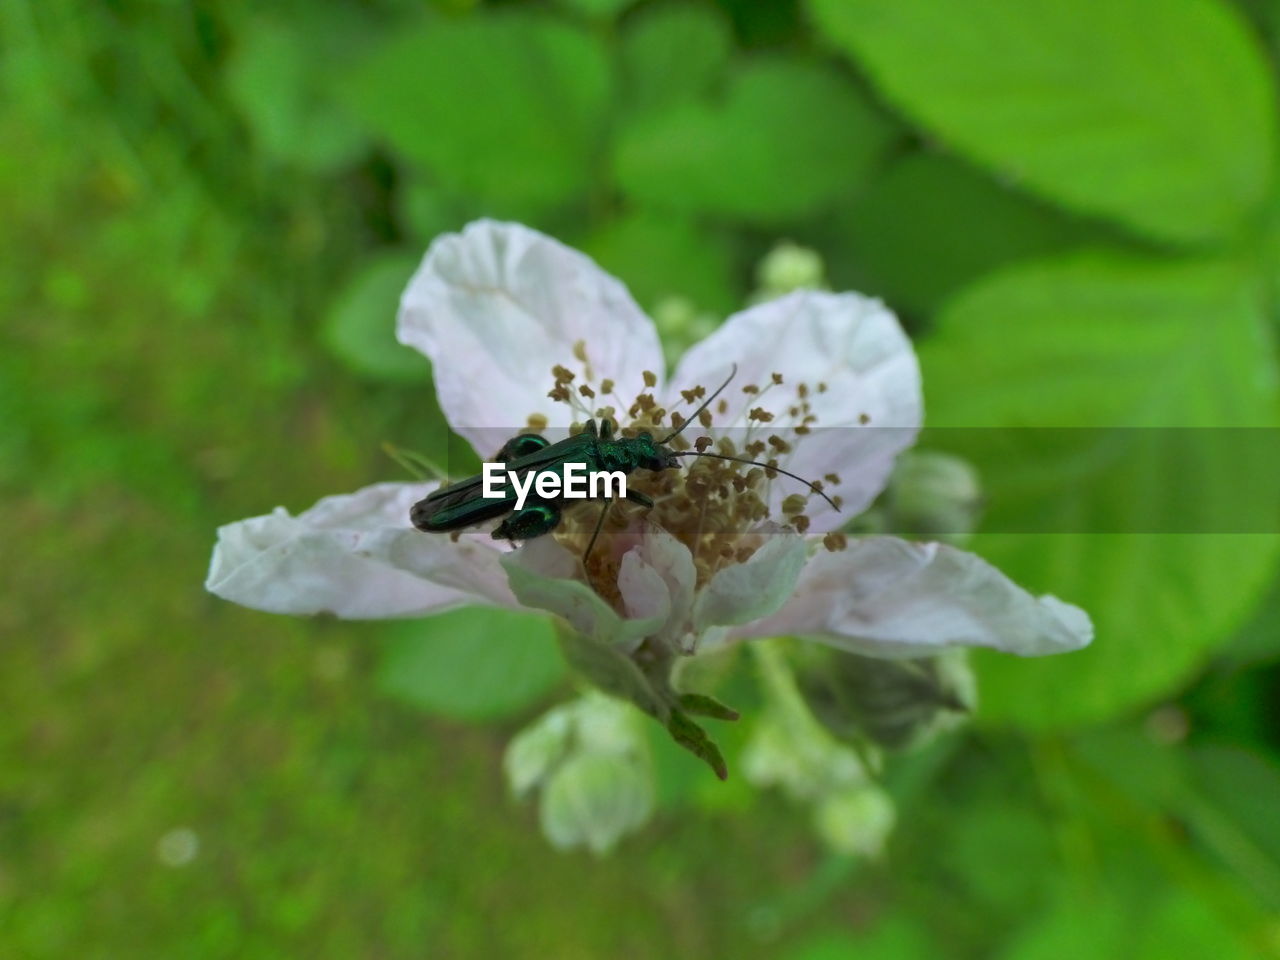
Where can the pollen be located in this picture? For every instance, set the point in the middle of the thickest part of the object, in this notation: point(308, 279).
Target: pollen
point(712, 506)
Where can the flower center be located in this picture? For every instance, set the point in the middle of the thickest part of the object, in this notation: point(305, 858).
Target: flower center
point(715, 507)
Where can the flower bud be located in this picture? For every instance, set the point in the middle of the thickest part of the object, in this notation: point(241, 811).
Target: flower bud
point(856, 821)
point(594, 799)
point(789, 266)
point(591, 760)
point(894, 704)
point(934, 495)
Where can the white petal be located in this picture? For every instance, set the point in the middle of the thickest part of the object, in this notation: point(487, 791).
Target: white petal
point(497, 306)
point(355, 556)
point(889, 598)
point(542, 575)
point(748, 591)
point(657, 578)
point(849, 342)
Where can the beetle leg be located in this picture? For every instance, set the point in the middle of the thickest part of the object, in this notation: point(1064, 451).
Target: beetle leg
point(533, 521)
point(640, 498)
point(596, 533)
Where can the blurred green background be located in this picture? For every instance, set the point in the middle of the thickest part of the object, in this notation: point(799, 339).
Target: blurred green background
point(209, 209)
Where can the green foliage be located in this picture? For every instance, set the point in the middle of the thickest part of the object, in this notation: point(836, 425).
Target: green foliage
point(506, 108)
point(276, 78)
point(471, 664)
point(204, 201)
point(767, 152)
point(1157, 113)
point(671, 53)
point(660, 256)
point(360, 327)
point(1127, 349)
point(929, 224)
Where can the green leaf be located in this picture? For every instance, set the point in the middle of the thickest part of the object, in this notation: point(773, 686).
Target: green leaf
point(1128, 349)
point(471, 664)
point(275, 76)
point(507, 107)
point(360, 329)
point(598, 9)
point(659, 256)
point(1234, 812)
point(1157, 113)
point(932, 224)
point(788, 136)
point(693, 738)
point(671, 53)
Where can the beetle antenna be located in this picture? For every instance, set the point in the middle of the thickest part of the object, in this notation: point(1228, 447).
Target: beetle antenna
point(786, 473)
point(705, 403)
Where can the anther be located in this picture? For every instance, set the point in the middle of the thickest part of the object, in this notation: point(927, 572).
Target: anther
point(750, 388)
point(536, 422)
point(650, 378)
point(580, 350)
point(779, 444)
point(704, 418)
point(587, 392)
point(760, 414)
point(777, 378)
point(562, 374)
point(793, 504)
point(701, 444)
point(606, 386)
point(864, 418)
point(801, 523)
point(835, 541)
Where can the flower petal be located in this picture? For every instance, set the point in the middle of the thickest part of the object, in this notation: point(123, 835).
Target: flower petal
point(744, 592)
point(497, 306)
point(542, 575)
point(355, 556)
point(657, 576)
point(869, 411)
point(886, 597)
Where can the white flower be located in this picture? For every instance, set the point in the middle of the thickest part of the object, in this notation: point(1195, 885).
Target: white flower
point(726, 553)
